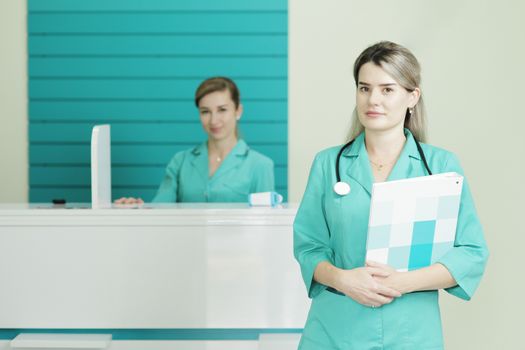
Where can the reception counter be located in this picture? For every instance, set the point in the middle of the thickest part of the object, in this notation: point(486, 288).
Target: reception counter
point(164, 267)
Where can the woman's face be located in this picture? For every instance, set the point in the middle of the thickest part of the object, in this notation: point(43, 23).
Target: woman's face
point(381, 102)
point(218, 115)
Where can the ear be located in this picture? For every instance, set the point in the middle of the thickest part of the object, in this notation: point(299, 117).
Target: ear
point(238, 112)
point(414, 97)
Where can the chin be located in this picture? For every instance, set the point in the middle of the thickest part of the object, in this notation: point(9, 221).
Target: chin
point(375, 125)
point(215, 137)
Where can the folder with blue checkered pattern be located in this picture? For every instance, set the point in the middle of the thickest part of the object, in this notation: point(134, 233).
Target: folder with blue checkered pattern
point(413, 221)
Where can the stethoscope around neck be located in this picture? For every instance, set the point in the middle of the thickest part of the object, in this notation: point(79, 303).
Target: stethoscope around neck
point(343, 188)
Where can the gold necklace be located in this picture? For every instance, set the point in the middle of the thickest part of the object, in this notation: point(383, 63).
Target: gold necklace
point(216, 158)
point(379, 166)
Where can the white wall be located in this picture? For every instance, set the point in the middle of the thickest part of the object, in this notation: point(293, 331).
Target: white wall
point(472, 56)
point(13, 102)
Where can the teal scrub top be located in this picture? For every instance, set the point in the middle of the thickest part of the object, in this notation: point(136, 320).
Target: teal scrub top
point(333, 228)
point(242, 172)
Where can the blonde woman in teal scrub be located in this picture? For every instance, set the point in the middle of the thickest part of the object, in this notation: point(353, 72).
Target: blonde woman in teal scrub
point(358, 304)
point(223, 168)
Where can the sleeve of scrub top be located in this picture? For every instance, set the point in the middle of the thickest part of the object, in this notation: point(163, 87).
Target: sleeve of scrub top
point(264, 177)
point(167, 192)
point(466, 261)
point(311, 232)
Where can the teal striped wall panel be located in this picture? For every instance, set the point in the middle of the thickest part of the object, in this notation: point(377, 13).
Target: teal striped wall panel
point(160, 67)
point(135, 65)
point(157, 5)
point(132, 88)
point(159, 23)
point(130, 153)
point(228, 45)
point(272, 133)
point(141, 110)
point(132, 176)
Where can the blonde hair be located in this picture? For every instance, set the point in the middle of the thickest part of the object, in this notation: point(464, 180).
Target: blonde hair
point(403, 66)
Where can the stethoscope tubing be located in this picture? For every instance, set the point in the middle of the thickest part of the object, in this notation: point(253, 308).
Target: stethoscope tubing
point(349, 143)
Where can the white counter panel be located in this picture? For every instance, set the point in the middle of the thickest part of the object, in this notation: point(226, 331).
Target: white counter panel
point(180, 267)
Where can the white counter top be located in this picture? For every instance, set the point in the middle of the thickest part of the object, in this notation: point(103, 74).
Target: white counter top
point(148, 214)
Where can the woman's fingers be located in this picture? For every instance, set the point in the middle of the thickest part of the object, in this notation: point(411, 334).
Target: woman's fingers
point(375, 300)
point(378, 271)
point(361, 285)
point(380, 300)
point(387, 291)
point(129, 200)
point(372, 263)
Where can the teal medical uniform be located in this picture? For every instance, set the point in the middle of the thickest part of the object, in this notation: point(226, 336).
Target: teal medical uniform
point(242, 172)
point(333, 228)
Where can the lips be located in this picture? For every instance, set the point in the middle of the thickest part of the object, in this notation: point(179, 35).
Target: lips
point(373, 114)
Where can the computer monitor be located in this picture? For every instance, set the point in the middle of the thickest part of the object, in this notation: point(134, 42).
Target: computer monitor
point(101, 167)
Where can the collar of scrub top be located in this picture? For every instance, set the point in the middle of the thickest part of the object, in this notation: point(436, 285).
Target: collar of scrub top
point(409, 163)
point(200, 159)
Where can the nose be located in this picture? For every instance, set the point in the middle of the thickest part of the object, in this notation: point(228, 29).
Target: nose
point(214, 117)
point(374, 97)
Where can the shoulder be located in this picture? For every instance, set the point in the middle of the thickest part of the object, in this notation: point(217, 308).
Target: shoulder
point(253, 157)
point(179, 157)
point(327, 153)
point(441, 159)
point(259, 159)
point(324, 161)
point(327, 156)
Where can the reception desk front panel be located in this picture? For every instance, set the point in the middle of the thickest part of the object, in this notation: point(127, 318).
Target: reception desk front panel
point(174, 266)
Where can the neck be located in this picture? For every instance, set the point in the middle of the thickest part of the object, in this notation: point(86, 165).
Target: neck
point(384, 145)
point(221, 148)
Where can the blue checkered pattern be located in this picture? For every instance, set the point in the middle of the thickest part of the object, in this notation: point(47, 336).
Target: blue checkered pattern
point(416, 243)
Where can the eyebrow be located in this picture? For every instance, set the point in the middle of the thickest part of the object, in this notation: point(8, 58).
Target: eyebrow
point(224, 105)
point(387, 84)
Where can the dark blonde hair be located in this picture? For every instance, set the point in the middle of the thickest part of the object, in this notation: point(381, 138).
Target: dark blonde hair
point(217, 84)
point(403, 66)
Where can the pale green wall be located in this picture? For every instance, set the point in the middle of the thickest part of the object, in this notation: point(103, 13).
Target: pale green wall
point(472, 55)
point(13, 102)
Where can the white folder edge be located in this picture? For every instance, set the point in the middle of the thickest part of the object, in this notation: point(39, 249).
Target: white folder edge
point(441, 183)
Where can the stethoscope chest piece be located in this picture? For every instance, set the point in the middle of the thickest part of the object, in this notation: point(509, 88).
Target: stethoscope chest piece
point(341, 188)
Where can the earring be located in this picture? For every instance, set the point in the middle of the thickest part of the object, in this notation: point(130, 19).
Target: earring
point(410, 111)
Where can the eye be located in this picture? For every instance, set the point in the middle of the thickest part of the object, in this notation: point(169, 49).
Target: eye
point(222, 109)
point(204, 111)
point(388, 90)
point(363, 89)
